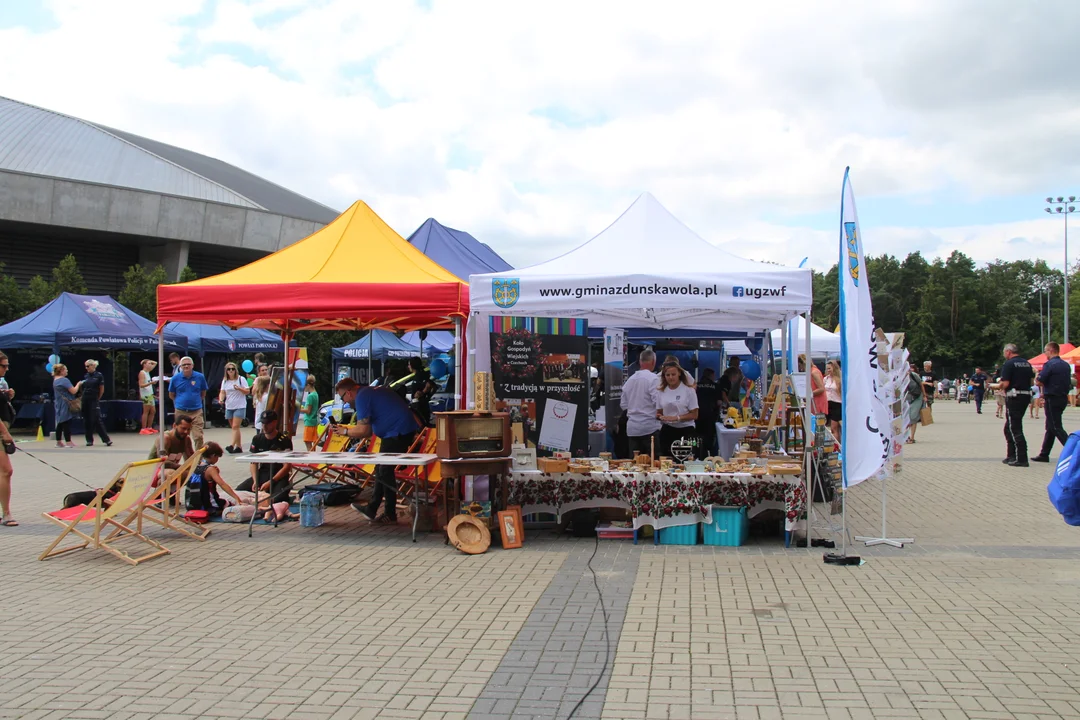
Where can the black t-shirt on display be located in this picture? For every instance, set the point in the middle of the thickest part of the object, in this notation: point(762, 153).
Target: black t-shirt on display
point(1018, 373)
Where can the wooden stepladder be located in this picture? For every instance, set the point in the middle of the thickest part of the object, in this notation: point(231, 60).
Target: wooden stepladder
point(775, 406)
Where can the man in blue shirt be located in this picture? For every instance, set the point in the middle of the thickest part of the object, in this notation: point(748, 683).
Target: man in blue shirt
point(1055, 379)
point(386, 415)
point(187, 389)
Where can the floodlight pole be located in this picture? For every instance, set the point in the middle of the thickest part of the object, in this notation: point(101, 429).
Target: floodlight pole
point(1064, 206)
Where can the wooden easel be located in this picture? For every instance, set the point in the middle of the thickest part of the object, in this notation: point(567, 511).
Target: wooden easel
point(775, 405)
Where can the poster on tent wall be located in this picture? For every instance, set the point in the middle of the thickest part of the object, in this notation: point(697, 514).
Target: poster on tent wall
point(540, 369)
point(614, 375)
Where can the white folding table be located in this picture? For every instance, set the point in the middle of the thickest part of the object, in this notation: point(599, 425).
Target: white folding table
point(349, 459)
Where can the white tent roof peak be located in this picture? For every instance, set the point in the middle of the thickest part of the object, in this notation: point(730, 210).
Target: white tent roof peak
point(647, 269)
point(645, 230)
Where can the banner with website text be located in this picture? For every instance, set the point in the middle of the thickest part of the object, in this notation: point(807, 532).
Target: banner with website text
point(540, 370)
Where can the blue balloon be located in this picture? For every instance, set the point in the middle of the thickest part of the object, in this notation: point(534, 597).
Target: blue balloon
point(48, 367)
point(53, 359)
point(248, 366)
point(438, 368)
point(750, 369)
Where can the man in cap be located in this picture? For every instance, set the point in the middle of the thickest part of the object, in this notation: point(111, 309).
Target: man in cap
point(272, 478)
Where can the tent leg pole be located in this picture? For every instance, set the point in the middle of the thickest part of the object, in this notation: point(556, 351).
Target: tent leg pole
point(370, 353)
point(161, 392)
point(808, 438)
point(458, 376)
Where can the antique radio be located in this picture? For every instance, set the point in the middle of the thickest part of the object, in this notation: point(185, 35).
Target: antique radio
point(468, 434)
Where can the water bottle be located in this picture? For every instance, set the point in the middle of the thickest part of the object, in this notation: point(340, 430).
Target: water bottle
point(312, 505)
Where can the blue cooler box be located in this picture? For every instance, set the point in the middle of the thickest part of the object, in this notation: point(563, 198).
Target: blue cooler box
point(729, 527)
point(680, 535)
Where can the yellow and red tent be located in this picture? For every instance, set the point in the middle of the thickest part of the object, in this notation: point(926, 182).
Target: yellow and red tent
point(355, 273)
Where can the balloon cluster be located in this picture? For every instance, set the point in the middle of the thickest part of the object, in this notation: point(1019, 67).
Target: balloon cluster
point(54, 359)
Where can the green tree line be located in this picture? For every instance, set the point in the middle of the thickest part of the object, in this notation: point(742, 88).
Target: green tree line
point(955, 313)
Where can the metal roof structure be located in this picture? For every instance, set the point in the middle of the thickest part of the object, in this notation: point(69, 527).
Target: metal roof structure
point(41, 142)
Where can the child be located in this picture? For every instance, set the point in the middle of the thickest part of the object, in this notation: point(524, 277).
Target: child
point(202, 486)
point(205, 480)
point(309, 416)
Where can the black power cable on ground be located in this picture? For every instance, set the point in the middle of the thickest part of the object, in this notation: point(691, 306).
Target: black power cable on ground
point(607, 633)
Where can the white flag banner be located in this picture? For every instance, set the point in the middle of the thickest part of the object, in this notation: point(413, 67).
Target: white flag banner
point(866, 434)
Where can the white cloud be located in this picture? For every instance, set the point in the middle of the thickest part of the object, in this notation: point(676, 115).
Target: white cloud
point(725, 111)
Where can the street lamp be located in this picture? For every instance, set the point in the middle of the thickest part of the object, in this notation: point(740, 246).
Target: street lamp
point(1063, 206)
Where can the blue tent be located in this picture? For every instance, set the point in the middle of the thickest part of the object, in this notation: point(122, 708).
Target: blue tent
point(435, 343)
point(384, 346)
point(85, 321)
point(457, 251)
point(202, 339)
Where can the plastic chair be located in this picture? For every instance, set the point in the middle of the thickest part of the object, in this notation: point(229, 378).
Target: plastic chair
point(138, 483)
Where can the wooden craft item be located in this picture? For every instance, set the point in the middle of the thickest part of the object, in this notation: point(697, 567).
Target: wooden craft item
point(552, 465)
point(469, 534)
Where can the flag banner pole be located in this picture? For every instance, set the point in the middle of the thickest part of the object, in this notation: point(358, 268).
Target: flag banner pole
point(865, 433)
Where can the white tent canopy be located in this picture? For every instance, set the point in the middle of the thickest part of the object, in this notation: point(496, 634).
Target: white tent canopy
point(647, 269)
point(822, 342)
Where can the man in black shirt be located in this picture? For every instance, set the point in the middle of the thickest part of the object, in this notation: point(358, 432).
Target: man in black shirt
point(270, 478)
point(1016, 379)
point(1055, 379)
point(929, 382)
point(978, 388)
point(708, 399)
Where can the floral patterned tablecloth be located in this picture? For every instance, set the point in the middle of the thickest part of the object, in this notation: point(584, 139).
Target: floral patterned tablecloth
point(657, 498)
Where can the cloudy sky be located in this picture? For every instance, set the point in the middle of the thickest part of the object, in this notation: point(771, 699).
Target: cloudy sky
point(533, 125)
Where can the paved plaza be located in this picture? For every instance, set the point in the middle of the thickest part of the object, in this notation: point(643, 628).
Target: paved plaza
point(976, 619)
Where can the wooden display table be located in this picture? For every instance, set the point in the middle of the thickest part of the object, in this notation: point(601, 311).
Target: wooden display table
point(452, 470)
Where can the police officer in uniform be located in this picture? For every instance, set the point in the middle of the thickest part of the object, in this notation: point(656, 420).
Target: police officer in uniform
point(978, 388)
point(708, 398)
point(1016, 378)
point(1055, 379)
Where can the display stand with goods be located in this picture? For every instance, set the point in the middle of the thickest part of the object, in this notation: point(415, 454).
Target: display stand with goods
point(893, 373)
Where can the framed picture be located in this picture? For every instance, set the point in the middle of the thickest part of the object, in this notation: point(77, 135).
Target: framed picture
point(511, 528)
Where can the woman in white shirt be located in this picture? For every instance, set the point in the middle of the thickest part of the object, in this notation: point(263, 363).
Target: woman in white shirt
point(234, 392)
point(833, 394)
point(676, 408)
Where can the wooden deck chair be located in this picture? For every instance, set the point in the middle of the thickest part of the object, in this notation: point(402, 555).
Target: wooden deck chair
point(319, 472)
point(365, 474)
point(431, 474)
point(165, 505)
point(138, 483)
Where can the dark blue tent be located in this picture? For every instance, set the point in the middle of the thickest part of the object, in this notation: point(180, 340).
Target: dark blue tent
point(457, 251)
point(202, 339)
point(384, 346)
point(436, 342)
point(85, 321)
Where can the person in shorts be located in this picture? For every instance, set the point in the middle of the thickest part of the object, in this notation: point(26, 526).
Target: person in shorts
point(309, 414)
point(7, 447)
point(146, 394)
point(234, 392)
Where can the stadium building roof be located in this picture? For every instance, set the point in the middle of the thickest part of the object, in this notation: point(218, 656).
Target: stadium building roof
point(41, 142)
